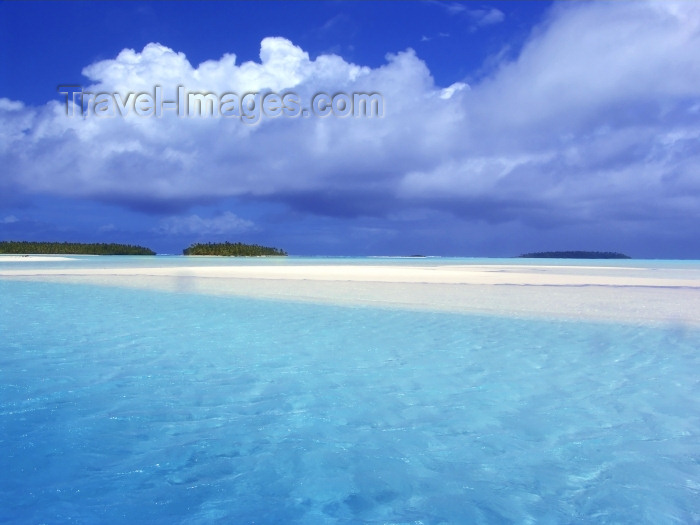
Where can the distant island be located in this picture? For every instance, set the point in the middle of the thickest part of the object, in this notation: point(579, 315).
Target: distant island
point(575, 255)
point(71, 248)
point(228, 249)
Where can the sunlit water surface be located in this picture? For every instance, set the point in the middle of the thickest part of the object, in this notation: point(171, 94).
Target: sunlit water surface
point(136, 406)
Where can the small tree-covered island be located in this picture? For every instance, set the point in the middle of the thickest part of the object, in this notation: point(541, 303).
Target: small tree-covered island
point(71, 248)
point(228, 249)
point(575, 255)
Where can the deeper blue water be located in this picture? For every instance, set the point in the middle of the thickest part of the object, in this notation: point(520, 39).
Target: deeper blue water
point(136, 406)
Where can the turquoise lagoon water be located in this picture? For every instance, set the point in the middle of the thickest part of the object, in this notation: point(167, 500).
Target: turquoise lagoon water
point(136, 406)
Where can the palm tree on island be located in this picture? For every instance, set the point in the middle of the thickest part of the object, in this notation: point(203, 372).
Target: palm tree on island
point(575, 255)
point(71, 248)
point(228, 249)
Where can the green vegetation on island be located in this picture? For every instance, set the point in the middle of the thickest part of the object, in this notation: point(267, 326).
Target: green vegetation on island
point(228, 249)
point(575, 255)
point(71, 248)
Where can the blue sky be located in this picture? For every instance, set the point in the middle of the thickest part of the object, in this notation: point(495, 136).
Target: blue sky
point(508, 126)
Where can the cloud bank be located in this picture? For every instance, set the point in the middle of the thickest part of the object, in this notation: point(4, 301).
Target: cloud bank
point(597, 118)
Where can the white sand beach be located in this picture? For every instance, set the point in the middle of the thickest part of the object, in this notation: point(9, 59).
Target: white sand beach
point(644, 294)
point(34, 258)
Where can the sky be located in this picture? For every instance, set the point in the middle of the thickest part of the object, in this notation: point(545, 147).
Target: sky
point(505, 127)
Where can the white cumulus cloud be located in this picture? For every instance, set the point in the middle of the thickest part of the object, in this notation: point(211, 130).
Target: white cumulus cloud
point(596, 115)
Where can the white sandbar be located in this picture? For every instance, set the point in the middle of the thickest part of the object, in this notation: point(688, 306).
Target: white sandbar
point(631, 294)
point(33, 258)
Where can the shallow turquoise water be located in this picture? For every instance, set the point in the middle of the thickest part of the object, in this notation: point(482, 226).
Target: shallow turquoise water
point(122, 261)
point(135, 406)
